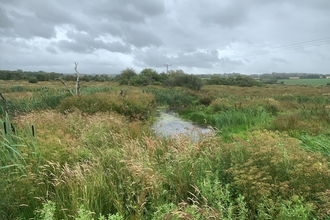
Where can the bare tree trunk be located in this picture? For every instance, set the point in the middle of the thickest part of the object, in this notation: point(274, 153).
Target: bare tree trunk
point(78, 79)
point(4, 103)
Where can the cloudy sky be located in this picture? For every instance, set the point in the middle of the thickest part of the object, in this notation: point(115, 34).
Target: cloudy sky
point(196, 36)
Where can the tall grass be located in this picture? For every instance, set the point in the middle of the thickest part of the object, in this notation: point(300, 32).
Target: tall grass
point(231, 120)
point(44, 98)
point(18, 149)
point(92, 160)
point(16, 144)
point(316, 144)
point(135, 105)
point(174, 97)
point(116, 168)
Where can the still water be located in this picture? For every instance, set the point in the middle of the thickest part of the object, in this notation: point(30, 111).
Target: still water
point(169, 124)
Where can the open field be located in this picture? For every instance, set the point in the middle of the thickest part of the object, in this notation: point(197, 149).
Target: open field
point(305, 81)
point(94, 156)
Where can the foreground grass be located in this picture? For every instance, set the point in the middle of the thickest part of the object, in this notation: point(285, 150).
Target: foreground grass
point(102, 165)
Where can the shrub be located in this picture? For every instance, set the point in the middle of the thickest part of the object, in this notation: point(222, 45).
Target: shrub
point(135, 105)
point(206, 100)
point(219, 105)
point(33, 80)
point(295, 123)
point(287, 122)
point(273, 166)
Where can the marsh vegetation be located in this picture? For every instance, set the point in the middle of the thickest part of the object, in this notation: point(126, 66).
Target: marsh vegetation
point(95, 157)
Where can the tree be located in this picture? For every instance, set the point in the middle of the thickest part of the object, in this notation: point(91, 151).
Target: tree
point(69, 77)
point(194, 82)
point(77, 79)
point(151, 75)
point(42, 76)
point(125, 76)
point(217, 79)
point(85, 78)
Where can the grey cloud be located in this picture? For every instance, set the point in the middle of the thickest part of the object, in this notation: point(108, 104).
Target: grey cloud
point(205, 59)
point(83, 42)
point(28, 26)
point(151, 57)
point(71, 46)
point(83, 38)
point(148, 7)
point(226, 14)
point(118, 47)
point(279, 60)
point(51, 12)
point(142, 38)
point(51, 49)
point(108, 27)
point(315, 4)
point(230, 63)
point(127, 10)
point(5, 22)
point(114, 11)
point(156, 58)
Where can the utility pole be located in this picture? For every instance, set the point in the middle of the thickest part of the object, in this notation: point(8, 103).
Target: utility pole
point(167, 65)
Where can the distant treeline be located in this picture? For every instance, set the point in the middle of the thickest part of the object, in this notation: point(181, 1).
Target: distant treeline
point(34, 77)
point(172, 78)
point(129, 76)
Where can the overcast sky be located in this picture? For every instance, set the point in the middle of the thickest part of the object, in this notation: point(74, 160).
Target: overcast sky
point(196, 36)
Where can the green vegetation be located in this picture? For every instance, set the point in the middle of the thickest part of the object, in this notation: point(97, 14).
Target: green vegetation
point(151, 77)
point(317, 81)
point(93, 156)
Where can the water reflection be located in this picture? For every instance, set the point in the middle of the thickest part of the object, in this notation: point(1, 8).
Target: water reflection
point(170, 125)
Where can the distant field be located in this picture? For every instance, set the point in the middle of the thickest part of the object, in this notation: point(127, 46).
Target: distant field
point(305, 81)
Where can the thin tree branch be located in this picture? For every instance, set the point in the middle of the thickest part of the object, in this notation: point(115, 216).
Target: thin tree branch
point(65, 85)
point(77, 79)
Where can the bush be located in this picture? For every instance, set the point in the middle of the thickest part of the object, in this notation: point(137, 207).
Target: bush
point(33, 80)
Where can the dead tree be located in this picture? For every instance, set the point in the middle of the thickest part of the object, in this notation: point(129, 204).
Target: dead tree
point(4, 103)
point(77, 79)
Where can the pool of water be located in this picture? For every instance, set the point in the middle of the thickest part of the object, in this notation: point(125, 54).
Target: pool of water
point(169, 124)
